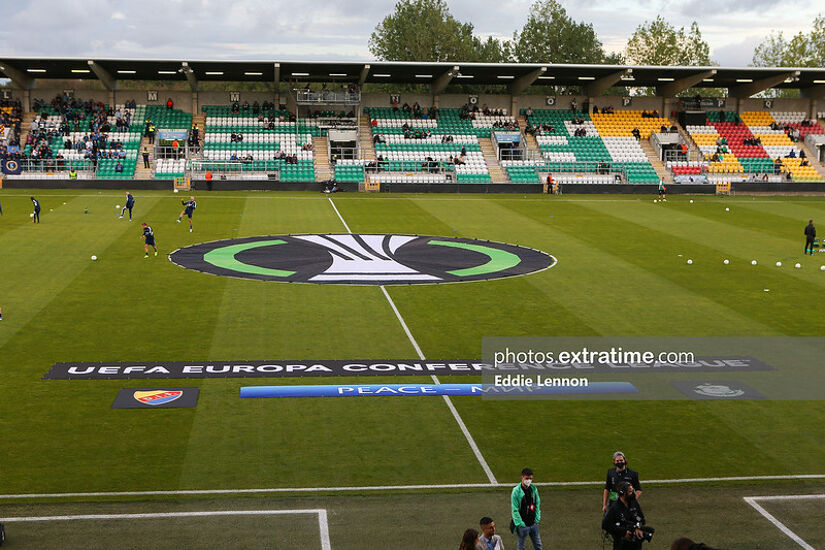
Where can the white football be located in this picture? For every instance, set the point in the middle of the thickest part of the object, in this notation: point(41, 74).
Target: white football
point(822, 268)
point(31, 215)
point(691, 201)
point(727, 209)
point(117, 207)
point(94, 258)
point(753, 262)
point(797, 266)
point(778, 264)
point(176, 190)
point(654, 200)
point(726, 262)
point(690, 262)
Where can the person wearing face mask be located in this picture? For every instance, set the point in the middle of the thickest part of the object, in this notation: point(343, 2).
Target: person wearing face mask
point(620, 472)
point(526, 511)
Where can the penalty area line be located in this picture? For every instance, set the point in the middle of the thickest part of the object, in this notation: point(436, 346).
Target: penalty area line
point(778, 524)
point(323, 522)
point(467, 435)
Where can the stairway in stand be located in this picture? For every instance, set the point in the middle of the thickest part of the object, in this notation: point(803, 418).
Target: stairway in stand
point(28, 117)
point(320, 154)
point(497, 174)
point(198, 119)
point(365, 139)
point(142, 173)
point(694, 154)
point(661, 171)
point(812, 158)
point(532, 144)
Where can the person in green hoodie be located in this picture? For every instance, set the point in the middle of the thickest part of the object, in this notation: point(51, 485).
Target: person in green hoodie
point(526, 511)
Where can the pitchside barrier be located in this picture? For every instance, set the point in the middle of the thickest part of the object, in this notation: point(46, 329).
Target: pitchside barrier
point(369, 185)
point(182, 183)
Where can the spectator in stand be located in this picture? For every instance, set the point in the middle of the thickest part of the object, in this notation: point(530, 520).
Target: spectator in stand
point(170, 104)
point(145, 155)
point(119, 168)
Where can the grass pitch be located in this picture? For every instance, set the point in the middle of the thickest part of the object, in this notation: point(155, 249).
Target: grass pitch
point(621, 272)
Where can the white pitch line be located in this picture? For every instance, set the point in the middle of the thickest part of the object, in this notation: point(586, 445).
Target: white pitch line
point(404, 325)
point(340, 217)
point(787, 497)
point(467, 435)
point(465, 431)
point(323, 524)
point(365, 488)
point(779, 525)
point(323, 527)
point(152, 515)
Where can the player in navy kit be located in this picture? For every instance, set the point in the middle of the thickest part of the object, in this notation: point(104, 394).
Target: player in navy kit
point(189, 209)
point(148, 240)
point(36, 216)
point(130, 203)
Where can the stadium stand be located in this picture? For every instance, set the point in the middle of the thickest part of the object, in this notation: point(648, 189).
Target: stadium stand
point(258, 143)
point(433, 144)
point(603, 140)
point(753, 142)
point(69, 133)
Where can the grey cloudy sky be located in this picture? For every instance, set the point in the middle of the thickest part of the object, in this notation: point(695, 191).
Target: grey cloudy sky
point(339, 30)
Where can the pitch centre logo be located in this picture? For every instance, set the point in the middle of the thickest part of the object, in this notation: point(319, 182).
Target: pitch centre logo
point(362, 259)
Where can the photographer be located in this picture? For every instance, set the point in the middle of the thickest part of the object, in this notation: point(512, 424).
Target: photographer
point(620, 472)
point(625, 522)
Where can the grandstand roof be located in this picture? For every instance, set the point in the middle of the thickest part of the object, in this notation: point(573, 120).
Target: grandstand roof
point(28, 68)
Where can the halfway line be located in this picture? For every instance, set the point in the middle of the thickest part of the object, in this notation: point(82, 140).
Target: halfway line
point(458, 419)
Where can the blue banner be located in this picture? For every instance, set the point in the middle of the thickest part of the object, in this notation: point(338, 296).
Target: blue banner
point(171, 135)
point(385, 390)
point(508, 137)
point(11, 167)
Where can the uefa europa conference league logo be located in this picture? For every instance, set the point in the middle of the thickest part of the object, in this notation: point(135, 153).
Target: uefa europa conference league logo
point(362, 259)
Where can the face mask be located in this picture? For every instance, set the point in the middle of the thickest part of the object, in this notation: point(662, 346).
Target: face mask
point(621, 465)
point(527, 482)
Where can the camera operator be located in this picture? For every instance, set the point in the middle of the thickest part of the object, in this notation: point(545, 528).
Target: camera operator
point(620, 472)
point(625, 521)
